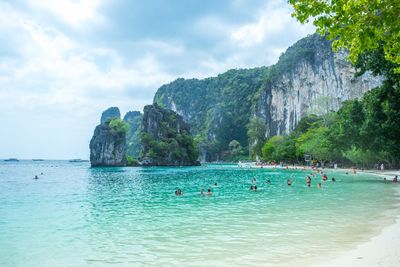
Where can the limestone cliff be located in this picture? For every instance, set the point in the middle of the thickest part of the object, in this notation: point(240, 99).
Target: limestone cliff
point(166, 140)
point(107, 146)
point(308, 78)
point(109, 114)
point(132, 146)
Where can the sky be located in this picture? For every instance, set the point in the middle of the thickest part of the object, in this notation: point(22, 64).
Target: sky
point(63, 62)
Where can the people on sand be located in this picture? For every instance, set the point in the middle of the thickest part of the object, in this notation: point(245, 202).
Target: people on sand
point(289, 182)
point(209, 193)
point(178, 192)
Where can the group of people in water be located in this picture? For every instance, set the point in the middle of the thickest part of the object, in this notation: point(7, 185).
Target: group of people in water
point(253, 187)
point(394, 180)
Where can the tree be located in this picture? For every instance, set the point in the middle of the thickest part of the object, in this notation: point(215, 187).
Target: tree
point(118, 126)
point(316, 143)
point(256, 133)
point(360, 26)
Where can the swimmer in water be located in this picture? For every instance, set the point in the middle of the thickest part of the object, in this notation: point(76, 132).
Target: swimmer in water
point(319, 185)
point(333, 179)
point(36, 177)
point(255, 188)
point(215, 184)
point(178, 192)
point(289, 182)
point(308, 181)
point(395, 180)
point(324, 177)
point(202, 192)
point(252, 187)
point(268, 181)
point(209, 193)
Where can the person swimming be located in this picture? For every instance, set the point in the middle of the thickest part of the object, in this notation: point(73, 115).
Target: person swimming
point(36, 177)
point(178, 192)
point(319, 185)
point(395, 180)
point(289, 182)
point(209, 193)
point(202, 192)
point(252, 187)
point(333, 179)
point(215, 184)
point(255, 188)
point(268, 181)
point(324, 177)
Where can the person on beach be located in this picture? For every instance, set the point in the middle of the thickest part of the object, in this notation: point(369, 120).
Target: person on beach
point(289, 182)
point(209, 193)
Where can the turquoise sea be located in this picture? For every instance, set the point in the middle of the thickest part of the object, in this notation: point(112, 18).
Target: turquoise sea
point(74, 215)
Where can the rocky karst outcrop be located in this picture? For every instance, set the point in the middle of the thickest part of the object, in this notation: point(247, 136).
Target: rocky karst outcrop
point(107, 146)
point(166, 140)
point(109, 114)
point(308, 78)
point(134, 120)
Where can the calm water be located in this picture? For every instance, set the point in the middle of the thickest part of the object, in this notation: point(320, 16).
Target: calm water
point(78, 216)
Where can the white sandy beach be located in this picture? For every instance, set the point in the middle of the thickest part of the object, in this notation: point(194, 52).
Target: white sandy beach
point(382, 250)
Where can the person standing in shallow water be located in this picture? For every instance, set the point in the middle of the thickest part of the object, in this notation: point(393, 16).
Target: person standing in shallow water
point(289, 182)
point(308, 181)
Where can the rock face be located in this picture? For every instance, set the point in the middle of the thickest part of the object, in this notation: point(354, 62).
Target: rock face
point(132, 146)
point(107, 146)
point(308, 78)
point(166, 140)
point(317, 81)
point(110, 113)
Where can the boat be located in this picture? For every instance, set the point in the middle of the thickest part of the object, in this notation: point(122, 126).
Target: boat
point(12, 160)
point(37, 159)
point(77, 160)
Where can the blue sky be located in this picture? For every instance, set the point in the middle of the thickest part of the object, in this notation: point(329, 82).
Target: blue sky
point(63, 62)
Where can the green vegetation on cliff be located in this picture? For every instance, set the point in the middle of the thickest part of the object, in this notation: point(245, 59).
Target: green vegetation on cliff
point(362, 132)
point(165, 139)
point(219, 109)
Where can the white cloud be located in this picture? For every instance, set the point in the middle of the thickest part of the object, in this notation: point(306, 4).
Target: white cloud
point(274, 18)
point(73, 12)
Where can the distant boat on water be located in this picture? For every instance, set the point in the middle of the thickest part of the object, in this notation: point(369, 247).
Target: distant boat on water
point(12, 160)
point(37, 159)
point(77, 160)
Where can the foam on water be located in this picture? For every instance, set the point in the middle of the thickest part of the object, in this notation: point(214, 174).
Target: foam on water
point(78, 216)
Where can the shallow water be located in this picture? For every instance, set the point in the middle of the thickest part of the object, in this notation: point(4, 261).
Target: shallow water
point(78, 216)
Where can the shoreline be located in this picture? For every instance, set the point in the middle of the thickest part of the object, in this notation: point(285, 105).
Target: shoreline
point(379, 250)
